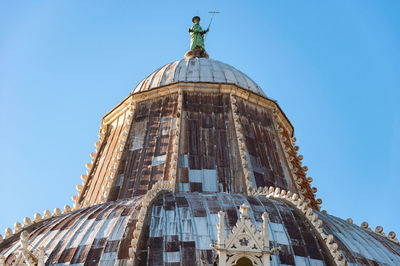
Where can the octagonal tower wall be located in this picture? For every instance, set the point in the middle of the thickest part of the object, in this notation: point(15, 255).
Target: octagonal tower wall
point(228, 140)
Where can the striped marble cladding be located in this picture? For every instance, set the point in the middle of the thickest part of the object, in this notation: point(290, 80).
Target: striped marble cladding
point(264, 153)
point(181, 227)
point(208, 160)
point(360, 246)
point(102, 165)
point(99, 235)
point(147, 155)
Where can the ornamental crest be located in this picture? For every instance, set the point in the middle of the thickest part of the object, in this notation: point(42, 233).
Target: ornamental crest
point(244, 243)
point(23, 256)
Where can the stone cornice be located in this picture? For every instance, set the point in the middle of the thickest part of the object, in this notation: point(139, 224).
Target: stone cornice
point(28, 223)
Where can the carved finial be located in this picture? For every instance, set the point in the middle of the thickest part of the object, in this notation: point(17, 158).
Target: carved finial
point(265, 216)
point(295, 197)
point(391, 235)
point(244, 211)
point(77, 206)
point(75, 198)
point(27, 221)
point(364, 225)
point(57, 211)
point(265, 229)
point(24, 235)
point(17, 227)
point(243, 236)
point(46, 213)
point(84, 178)
point(37, 217)
point(9, 232)
point(24, 239)
point(379, 229)
point(329, 239)
point(221, 228)
point(350, 220)
point(67, 208)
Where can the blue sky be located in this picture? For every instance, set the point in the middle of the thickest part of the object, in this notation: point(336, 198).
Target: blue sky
point(333, 67)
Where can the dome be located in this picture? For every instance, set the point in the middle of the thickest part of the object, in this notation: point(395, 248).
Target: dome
point(197, 173)
point(197, 70)
point(181, 226)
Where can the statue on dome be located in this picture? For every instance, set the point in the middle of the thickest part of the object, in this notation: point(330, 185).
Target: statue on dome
point(197, 48)
point(197, 34)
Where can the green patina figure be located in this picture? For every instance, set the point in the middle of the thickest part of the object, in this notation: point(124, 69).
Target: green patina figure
point(197, 35)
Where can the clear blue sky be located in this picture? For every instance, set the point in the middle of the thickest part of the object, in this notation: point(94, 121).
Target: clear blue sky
point(333, 66)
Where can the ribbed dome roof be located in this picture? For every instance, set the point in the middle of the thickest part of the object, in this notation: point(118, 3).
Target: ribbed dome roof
point(180, 228)
point(197, 70)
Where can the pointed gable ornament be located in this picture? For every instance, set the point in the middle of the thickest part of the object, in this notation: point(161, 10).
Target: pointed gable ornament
point(244, 241)
point(24, 256)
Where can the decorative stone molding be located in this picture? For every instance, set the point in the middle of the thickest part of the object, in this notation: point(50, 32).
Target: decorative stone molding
point(76, 198)
point(392, 237)
point(295, 165)
point(243, 241)
point(115, 161)
point(37, 217)
point(175, 144)
point(156, 189)
point(379, 231)
point(241, 144)
point(300, 204)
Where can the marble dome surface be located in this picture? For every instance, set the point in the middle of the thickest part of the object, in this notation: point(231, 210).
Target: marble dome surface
point(181, 226)
point(197, 70)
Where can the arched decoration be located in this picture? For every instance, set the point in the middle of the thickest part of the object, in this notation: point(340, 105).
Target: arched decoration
point(157, 189)
point(299, 203)
point(244, 242)
point(243, 261)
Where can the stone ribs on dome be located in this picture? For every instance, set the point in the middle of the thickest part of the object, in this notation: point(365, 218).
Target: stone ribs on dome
point(197, 70)
point(194, 138)
point(181, 227)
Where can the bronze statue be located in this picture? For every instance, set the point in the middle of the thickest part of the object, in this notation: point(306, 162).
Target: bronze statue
point(197, 35)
